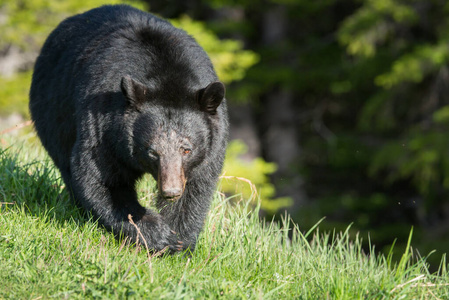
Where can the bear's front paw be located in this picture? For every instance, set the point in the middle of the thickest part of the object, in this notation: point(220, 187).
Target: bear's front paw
point(170, 239)
point(175, 245)
point(158, 235)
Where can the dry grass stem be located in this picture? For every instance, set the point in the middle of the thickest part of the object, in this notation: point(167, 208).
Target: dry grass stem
point(139, 233)
point(16, 127)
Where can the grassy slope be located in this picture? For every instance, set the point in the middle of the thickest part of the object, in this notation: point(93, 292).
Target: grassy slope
point(49, 249)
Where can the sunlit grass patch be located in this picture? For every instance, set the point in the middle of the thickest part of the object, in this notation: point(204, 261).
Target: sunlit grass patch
point(51, 249)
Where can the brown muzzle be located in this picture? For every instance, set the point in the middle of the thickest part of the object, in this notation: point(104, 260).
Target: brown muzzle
point(171, 180)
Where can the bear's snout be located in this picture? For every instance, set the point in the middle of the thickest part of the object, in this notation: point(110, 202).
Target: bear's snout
point(171, 180)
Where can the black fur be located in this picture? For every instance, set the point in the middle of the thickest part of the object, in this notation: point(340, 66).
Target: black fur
point(117, 93)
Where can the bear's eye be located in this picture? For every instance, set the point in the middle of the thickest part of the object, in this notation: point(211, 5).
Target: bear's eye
point(152, 152)
point(186, 151)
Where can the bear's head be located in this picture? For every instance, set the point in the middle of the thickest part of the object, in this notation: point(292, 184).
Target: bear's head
point(172, 138)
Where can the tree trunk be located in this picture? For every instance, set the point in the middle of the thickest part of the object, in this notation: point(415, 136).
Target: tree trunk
point(279, 134)
point(244, 128)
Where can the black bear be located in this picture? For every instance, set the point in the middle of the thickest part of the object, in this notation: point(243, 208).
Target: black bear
point(116, 93)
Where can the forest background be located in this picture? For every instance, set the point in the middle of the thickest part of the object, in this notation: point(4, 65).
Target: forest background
point(341, 107)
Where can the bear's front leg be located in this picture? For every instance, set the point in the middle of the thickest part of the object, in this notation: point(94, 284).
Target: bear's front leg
point(187, 214)
point(113, 203)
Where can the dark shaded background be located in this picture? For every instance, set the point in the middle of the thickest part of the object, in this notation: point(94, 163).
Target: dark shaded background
point(350, 100)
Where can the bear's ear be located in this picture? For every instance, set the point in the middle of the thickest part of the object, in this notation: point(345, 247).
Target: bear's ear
point(134, 91)
point(210, 97)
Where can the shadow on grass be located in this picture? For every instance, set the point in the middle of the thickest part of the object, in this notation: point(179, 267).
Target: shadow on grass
point(35, 187)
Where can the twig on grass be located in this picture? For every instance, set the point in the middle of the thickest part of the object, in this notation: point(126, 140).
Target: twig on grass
point(252, 186)
point(420, 277)
point(139, 233)
point(16, 127)
point(159, 253)
point(122, 245)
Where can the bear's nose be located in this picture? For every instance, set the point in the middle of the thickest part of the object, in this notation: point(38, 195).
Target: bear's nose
point(172, 194)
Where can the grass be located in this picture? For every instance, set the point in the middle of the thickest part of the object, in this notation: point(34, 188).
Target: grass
point(50, 249)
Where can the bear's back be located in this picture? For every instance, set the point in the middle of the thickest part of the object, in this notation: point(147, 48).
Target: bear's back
point(100, 46)
point(87, 55)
